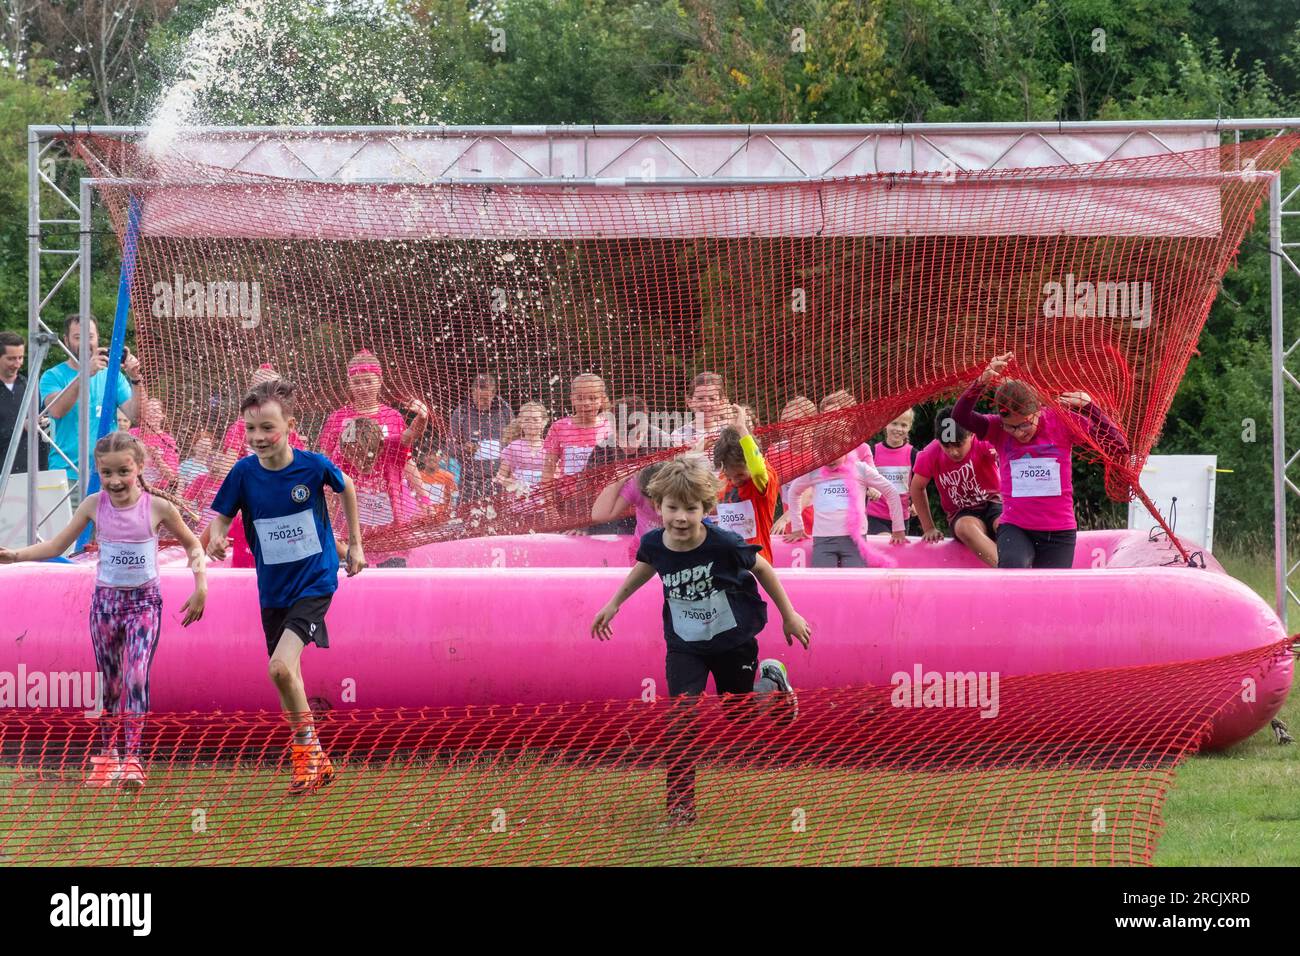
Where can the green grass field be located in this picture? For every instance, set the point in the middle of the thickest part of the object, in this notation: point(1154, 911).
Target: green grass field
point(1236, 807)
point(417, 812)
point(1229, 808)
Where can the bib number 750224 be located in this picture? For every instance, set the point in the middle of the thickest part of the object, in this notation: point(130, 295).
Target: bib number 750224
point(1035, 477)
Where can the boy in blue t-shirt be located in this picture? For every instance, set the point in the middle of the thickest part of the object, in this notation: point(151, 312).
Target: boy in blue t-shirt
point(712, 610)
point(280, 491)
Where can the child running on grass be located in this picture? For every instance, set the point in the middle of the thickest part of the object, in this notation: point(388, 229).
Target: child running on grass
point(280, 492)
point(126, 610)
point(712, 611)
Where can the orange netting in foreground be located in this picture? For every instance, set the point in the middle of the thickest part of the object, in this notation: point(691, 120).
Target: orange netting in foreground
point(864, 296)
point(1064, 769)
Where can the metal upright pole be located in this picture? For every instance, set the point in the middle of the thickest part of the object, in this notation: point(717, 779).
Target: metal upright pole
point(1279, 395)
point(33, 320)
point(83, 357)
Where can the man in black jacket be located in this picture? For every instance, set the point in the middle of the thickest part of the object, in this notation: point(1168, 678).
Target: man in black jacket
point(476, 431)
point(12, 386)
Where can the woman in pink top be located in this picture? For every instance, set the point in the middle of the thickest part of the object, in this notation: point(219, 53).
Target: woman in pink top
point(839, 509)
point(126, 610)
point(365, 379)
point(965, 470)
point(1034, 446)
point(376, 465)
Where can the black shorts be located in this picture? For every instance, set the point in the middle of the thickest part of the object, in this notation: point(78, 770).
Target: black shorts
point(734, 670)
point(305, 617)
point(879, 525)
point(988, 512)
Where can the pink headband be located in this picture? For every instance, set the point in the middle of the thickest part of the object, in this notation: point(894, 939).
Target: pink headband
point(363, 368)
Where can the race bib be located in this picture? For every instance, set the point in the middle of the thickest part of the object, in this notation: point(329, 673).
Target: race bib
point(575, 458)
point(376, 508)
point(703, 619)
point(528, 477)
point(896, 475)
point(290, 538)
point(437, 492)
point(831, 496)
point(738, 516)
point(128, 564)
point(488, 451)
point(1035, 478)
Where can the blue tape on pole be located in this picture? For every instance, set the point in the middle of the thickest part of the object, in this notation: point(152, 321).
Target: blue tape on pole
point(108, 413)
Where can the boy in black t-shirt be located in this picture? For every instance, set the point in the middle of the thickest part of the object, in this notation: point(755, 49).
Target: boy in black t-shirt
point(712, 609)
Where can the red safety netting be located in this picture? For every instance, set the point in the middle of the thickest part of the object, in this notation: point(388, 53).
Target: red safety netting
point(1051, 769)
point(891, 289)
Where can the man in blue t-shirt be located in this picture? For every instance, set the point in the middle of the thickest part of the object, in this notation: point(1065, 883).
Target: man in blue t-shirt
point(280, 491)
point(60, 396)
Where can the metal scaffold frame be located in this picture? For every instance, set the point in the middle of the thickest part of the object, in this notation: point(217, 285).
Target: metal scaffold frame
point(632, 156)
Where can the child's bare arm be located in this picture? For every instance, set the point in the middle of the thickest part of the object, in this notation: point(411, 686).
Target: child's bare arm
point(356, 556)
point(61, 541)
point(639, 575)
point(608, 505)
point(171, 520)
point(792, 623)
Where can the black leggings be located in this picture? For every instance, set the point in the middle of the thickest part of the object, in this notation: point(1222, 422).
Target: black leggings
point(1020, 548)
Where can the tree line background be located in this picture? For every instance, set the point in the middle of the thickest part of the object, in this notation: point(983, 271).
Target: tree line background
point(700, 61)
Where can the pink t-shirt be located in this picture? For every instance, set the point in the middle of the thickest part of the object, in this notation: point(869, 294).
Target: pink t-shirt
point(390, 423)
point(381, 496)
point(647, 516)
point(525, 461)
point(895, 464)
point(1034, 476)
point(968, 483)
point(573, 444)
point(164, 447)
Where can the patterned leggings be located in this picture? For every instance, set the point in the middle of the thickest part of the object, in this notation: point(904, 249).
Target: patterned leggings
point(124, 627)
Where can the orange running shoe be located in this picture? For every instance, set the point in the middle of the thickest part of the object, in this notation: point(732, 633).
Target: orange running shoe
point(311, 768)
point(104, 770)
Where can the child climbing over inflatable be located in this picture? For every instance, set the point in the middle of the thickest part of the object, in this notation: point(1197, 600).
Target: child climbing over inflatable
point(630, 496)
point(748, 502)
point(839, 509)
point(712, 611)
point(965, 470)
point(126, 609)
point(1035, 447)
point(280, 492)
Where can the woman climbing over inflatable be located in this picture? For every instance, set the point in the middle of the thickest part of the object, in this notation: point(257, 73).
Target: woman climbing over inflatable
point(1034, 446)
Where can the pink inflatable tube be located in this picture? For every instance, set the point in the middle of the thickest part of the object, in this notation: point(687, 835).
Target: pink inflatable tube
point(506, 620)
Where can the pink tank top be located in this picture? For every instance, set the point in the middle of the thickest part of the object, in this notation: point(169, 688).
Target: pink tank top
point(896, 465)
point(128, 543)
